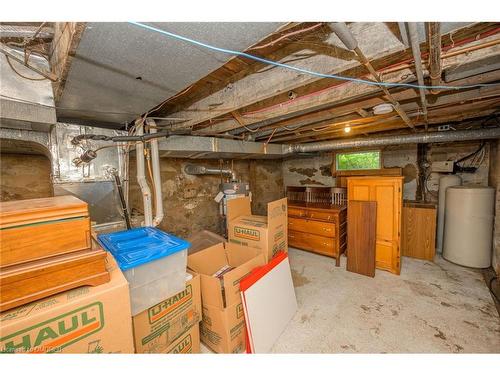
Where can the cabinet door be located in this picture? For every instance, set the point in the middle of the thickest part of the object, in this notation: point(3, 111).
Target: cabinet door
point(388, 195)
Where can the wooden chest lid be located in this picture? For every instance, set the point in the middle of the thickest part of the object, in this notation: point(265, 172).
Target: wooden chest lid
point(14, 213)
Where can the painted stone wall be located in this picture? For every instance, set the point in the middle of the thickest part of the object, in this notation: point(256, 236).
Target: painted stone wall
point(189, 200)
point(24, 176)
point(308, 171)
point(316, 171)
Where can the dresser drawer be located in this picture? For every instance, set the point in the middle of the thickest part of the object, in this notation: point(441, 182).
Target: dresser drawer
point(296, 212)
point(311, 242)
point(314, 227)
point(318, 215)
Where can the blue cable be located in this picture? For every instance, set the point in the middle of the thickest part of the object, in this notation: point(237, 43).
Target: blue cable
point(317, 74)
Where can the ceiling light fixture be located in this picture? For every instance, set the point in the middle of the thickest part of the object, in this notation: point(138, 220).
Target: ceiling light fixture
point(347, 129)
point(382, 109)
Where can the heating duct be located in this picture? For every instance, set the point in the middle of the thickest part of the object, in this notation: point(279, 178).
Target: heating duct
point(190, 147)
point(434, 137)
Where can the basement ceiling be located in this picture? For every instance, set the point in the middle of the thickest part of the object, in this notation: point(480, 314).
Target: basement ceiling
point(120, 71)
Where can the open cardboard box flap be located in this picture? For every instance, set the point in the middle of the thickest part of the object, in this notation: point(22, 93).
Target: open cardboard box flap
point(268, 233)
point(238, 207)
point(208, 261)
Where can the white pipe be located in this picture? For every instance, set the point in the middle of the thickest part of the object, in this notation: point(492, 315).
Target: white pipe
point(155, 157)
point(141, 179)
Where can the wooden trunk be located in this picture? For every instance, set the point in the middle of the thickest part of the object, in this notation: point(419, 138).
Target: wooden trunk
point(388, 193)
point(361, 237)
point(24, 283)
point(320, 228)
point(419, 231)
point(40, 228)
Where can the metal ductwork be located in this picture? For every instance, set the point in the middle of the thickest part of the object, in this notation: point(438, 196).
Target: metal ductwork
point(216, 148)
point(201, 170)
point(433, 137)
point(193, 147)
point(25, 104)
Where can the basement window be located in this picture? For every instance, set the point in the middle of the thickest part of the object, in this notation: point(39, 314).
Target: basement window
point(352, 161)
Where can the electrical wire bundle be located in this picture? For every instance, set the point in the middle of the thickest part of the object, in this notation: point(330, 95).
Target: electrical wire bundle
point(475, 159)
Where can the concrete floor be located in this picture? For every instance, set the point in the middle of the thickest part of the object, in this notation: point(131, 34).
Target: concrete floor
point(431, 308)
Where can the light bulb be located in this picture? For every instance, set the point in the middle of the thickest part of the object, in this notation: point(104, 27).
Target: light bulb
point(347, 129)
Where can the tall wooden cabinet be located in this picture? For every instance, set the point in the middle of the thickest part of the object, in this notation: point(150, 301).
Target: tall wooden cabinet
point(388, 193)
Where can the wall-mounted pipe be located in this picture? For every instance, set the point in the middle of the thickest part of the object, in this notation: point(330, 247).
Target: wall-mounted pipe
point(155, 158)
point(345, 35)
point(428, 137)
point(201, 170)
point(415, 47)
point(141, 179)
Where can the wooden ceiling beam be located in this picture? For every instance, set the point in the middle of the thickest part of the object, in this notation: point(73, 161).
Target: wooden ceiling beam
point(259, 87)
point(321, 100)
point(473, 97)
point(338, 95)
point(321, 118)
point(67, 36)
point(469, 111)
point(300, 104)
point(237, 67)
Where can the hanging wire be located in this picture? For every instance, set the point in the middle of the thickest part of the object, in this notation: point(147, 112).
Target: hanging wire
point(301, 70)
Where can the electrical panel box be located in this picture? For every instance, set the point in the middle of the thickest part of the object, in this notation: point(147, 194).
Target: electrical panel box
point(442, 166)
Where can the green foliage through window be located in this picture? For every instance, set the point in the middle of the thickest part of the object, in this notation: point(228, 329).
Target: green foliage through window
point(358, 160)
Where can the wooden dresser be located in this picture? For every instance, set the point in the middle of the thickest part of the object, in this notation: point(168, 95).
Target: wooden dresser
point(318, 227)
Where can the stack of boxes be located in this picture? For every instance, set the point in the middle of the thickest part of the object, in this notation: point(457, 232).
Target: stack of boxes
point(223, 324)
point(165, 300)
point(60, 292)
point(150, 304)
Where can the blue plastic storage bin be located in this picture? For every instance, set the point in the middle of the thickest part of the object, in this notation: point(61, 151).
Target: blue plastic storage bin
point(154, 263)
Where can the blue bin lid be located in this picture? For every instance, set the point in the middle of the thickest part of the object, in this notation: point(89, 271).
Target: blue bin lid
point(134, 247)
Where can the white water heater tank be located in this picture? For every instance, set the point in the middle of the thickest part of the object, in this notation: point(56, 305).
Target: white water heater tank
point(444, 183)
point(468, 228)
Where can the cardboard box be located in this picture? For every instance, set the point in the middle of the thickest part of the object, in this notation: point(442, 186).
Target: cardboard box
point(159, 327)
point(223, 324)
point(267, 233)
point(188, 343)
point(83, 320)
point(223, 330)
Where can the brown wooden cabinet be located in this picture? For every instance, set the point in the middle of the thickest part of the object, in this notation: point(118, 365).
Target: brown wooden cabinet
point(388, 193)
point(316, 227)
